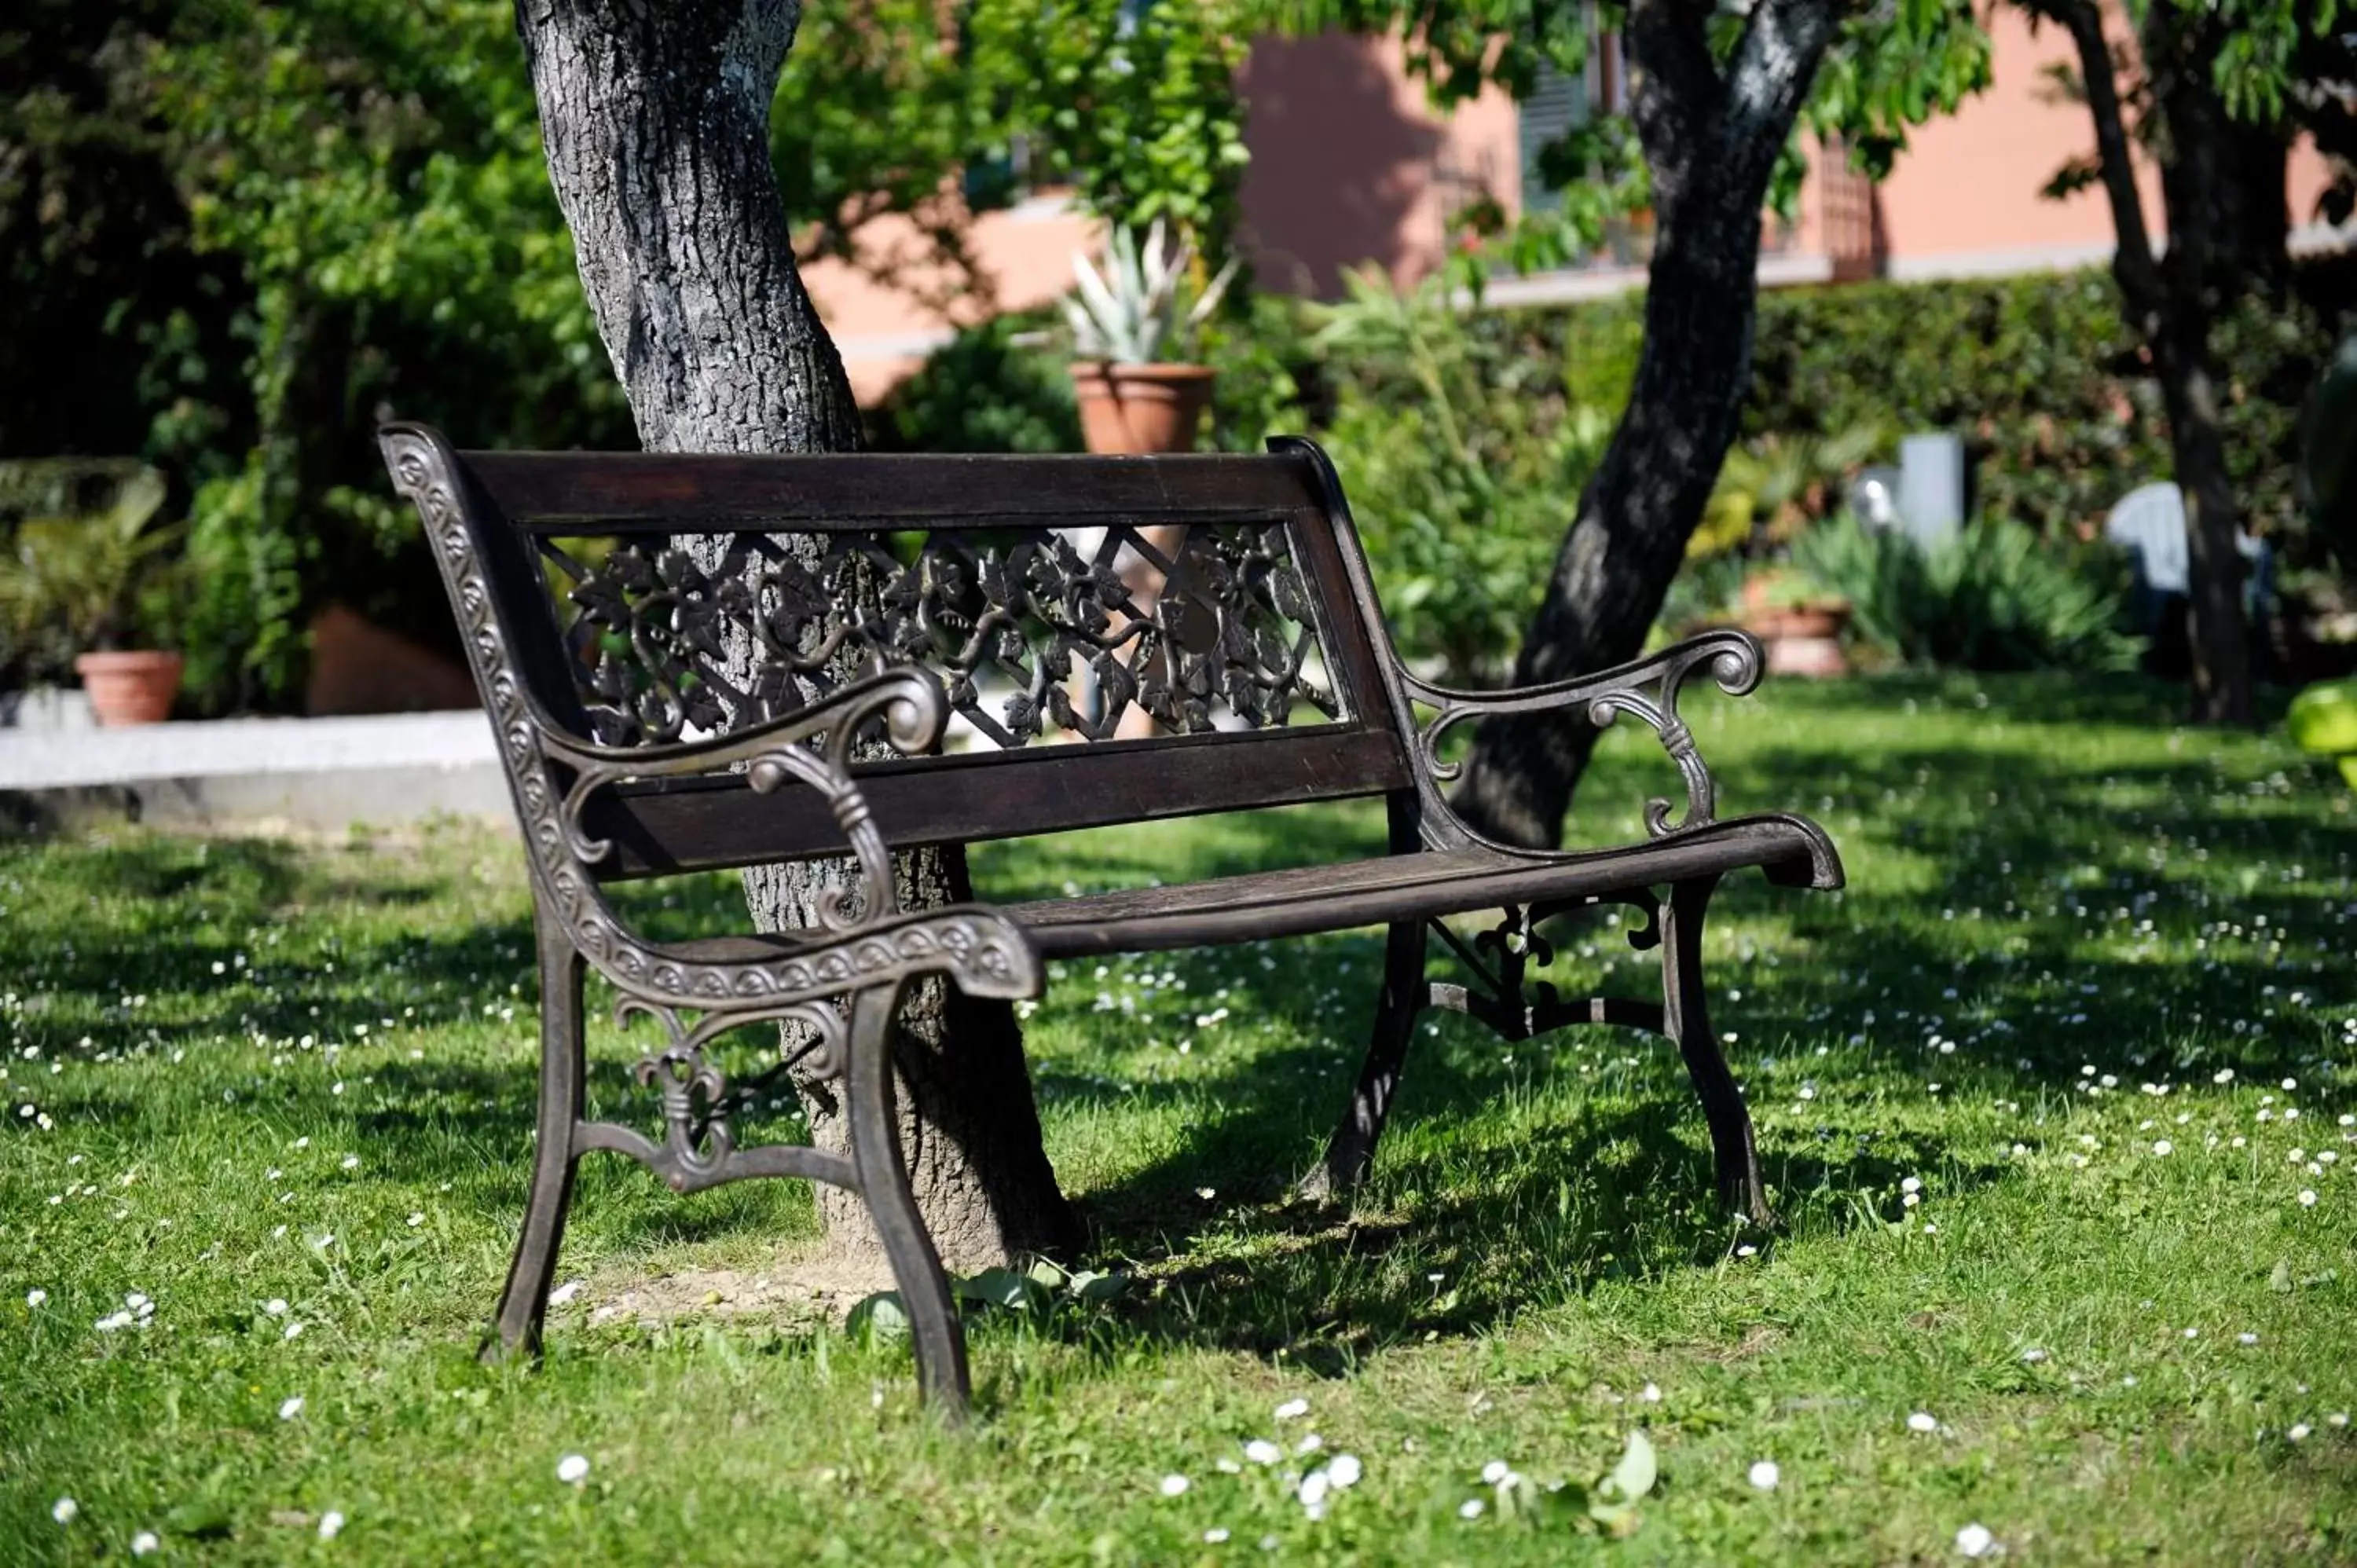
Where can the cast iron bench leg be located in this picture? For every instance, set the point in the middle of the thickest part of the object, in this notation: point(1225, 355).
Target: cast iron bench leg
point(1352, 1150)
point(884, 1183)
point(1686, 1019)
point(524, 1302)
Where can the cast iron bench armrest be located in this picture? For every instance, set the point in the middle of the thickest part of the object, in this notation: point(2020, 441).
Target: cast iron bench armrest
point(910, 703)
point(982, 953)
point(1647, 688)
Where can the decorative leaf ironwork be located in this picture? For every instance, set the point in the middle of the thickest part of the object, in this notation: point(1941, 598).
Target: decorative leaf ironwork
point(1034, 634)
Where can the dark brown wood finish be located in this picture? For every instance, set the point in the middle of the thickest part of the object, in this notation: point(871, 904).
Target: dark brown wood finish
point(660, 795)
point(659, 829)
point(623, 492)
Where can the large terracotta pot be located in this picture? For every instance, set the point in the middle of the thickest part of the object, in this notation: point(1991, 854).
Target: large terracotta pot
point(135, 687)
point(1801, 638)
point(1127, 410)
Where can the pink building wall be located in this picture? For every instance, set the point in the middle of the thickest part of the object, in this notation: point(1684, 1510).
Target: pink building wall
point(1350, 165)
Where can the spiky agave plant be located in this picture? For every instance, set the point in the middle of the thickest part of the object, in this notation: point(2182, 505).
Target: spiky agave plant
point(1131, 311)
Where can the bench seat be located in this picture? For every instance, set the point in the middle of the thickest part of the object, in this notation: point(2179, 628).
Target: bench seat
point(1310, 900)
point(1427, 884)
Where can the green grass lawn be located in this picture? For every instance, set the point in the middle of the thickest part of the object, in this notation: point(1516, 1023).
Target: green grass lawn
point(2056, 1098)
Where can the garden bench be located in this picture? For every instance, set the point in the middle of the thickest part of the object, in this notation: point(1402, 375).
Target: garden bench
point(675, 688)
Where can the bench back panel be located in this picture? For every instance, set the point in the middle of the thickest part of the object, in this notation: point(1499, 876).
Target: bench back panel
point(663, 598)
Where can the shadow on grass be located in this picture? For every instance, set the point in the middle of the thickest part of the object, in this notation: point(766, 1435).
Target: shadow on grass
point(1620, 1191)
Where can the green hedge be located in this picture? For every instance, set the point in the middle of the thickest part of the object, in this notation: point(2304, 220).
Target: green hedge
point(2039, 374)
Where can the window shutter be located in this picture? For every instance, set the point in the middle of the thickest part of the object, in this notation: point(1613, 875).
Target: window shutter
point(1557, 103)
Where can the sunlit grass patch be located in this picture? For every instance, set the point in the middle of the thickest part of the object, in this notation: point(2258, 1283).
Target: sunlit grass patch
point(2056, 1101)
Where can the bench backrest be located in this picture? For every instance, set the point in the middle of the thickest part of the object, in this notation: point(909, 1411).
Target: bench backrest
point(643, 597)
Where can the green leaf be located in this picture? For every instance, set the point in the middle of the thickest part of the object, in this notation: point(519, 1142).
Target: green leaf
point(1635, 1474)
point(879, 1320)
point(2323, 719)
point(1095, 1288)
point(205, 1520)
point(1003, 1288)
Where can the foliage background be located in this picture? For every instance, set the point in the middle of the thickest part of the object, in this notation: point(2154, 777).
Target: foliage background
point(236, 235)
point(1465, 434)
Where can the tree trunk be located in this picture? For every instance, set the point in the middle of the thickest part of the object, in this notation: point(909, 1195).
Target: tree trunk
point(1711, 142)
point(2219, 632)
point(2212, 218)
point(656, 123)
point(2218, 212)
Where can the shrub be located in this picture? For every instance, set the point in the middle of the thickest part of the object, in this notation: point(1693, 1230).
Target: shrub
point(981, 391)
point(2039, 374)
point(1465, 458)
point(1991, 596)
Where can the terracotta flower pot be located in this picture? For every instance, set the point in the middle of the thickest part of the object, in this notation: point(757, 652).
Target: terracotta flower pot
point(134, 687)
point(1803, 638)
point(1127, 410)
point(1798, 621)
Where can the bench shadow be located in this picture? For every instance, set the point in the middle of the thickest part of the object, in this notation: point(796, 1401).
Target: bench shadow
point(1618, 1191)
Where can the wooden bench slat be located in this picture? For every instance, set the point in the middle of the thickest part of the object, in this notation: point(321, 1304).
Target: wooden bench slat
point(706, 823)
point(623, 492)
point(1302, 900)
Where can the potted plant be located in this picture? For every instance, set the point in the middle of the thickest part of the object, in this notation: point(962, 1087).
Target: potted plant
point(1800, 624)
point(96, 582)
point(1125, 319)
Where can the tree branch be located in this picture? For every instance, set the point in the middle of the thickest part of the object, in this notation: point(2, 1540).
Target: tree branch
point(2138, 272)
point(1774, 63)
point(1676, 94)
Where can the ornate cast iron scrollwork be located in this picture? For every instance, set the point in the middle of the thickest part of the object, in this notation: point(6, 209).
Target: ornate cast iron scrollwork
point(989, 956)
point(662, 645)
point(774, 754)
point(1501, 957)
point(697, 1137)
point(1647, 688)
point(699, 1104)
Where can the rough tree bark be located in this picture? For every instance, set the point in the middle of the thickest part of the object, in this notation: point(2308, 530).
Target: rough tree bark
point(656, 124)
point(1711, 136)
point(2219, 222)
